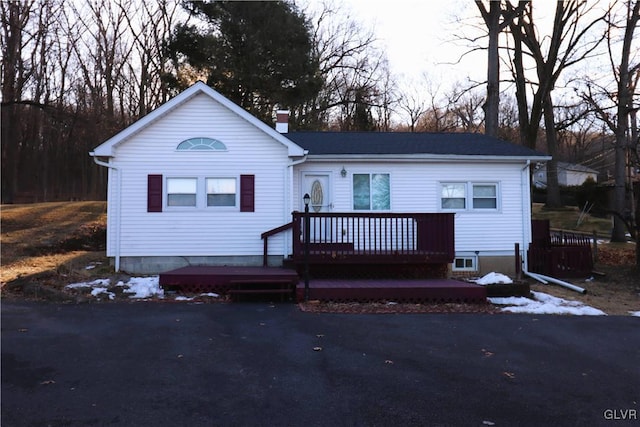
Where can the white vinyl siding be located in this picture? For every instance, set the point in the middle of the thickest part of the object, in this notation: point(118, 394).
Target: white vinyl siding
point(416, 187)
point(201, 231)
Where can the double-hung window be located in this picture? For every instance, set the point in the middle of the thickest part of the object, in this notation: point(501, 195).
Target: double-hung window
point(371, 192)
point(182, 191)
point(221, 191)
point(453, 196)
point(485, 196)
point(199, 192)
point(469, 196)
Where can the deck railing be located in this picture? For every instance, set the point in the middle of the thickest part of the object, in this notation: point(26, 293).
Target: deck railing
point(560, 253)
point(375, 237)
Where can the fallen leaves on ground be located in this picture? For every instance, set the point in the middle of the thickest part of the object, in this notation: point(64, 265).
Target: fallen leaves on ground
point(387, 308)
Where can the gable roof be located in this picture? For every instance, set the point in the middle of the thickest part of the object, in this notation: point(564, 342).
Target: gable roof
point(106, 149)
point(575, 167)
point(413, 144)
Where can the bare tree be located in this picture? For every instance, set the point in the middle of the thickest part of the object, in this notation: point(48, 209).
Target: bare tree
point(413, 103)
point(567, 45)
point(497, 19)
point(15, 17)
point(354, 71)
point(613, 105)
point(150, 28)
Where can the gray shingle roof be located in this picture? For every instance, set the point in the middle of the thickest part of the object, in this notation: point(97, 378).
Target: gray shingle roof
point(390, 143)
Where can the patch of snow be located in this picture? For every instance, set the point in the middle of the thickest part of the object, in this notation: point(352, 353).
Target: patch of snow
point(93, 265)
point(546, 304)
point(210, 294)
point(98, 283)
point(184, 298)
point(635, 313)
point(96, 292)
point(494, 279)
point(517, 301)
point(144, 287)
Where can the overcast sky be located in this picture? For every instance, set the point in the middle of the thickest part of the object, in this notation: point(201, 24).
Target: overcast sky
point(423, 36)
point(420, 36)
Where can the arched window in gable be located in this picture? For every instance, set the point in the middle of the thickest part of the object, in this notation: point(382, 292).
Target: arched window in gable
point(201, 144)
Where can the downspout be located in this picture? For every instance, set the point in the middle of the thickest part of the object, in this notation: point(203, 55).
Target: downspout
point(117, 208)
point(526, 200)
point(288, 205)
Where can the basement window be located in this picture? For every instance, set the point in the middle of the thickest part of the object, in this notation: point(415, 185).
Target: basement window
point(465, 263)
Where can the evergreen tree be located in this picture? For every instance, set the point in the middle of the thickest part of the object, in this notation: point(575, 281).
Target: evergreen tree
point(258, 54)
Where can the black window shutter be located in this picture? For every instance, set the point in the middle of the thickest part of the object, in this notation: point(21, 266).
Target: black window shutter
point(247, 193)
point(154, 193)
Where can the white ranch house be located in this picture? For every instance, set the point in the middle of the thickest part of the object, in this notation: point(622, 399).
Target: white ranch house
point(199, 179)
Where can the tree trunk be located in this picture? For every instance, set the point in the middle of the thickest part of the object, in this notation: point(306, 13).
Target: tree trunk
point(553, 187)
point(13, 22)
point(493, 71)
point(625, 100)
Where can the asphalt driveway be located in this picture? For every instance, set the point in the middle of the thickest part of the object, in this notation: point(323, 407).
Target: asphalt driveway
point(180, 364)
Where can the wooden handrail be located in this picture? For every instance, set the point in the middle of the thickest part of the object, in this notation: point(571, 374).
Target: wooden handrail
point(276, 230)
point(265, 236)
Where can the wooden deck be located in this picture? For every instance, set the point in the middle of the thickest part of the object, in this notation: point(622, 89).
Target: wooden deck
point(229, 279)
point(287, 285)
point(368, 238)
point(405, 291)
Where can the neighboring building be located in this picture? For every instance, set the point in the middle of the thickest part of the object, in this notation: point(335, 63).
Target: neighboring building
point(199, 179)
point(568, 175)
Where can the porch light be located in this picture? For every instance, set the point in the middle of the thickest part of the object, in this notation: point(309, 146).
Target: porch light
point(307, 236)
point(343, 172)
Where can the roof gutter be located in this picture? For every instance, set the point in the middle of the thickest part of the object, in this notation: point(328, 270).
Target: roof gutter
point(426, 157)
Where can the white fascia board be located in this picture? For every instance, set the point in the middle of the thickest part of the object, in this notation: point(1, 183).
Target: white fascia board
point(424, 157)
point(106, 149)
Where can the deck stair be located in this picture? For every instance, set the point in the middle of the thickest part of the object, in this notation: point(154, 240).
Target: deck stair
point(284, 289)
point(234, 281)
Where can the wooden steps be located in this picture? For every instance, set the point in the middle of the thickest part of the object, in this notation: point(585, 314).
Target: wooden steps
point(246, 283)
point(282, 288)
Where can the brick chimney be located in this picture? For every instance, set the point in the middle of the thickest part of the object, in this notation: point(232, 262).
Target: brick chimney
point(282, 121)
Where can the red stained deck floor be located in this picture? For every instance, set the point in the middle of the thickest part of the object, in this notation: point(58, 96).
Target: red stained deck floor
point(412, 291)
point(227, 280)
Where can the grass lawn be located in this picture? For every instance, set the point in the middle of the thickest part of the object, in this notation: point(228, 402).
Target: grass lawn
point(569, 218)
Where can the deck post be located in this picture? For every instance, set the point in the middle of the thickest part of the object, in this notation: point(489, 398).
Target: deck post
point(307, 237)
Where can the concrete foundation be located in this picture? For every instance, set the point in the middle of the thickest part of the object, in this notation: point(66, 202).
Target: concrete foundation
point(156, 265)
point(160, 264)
point(499, 264)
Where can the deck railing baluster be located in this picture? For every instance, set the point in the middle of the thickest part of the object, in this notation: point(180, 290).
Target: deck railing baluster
point(392, 237)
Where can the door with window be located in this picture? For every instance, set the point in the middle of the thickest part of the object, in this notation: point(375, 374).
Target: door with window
point(318, 186)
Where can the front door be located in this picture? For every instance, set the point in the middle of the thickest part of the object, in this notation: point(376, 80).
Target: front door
point(317, 185)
